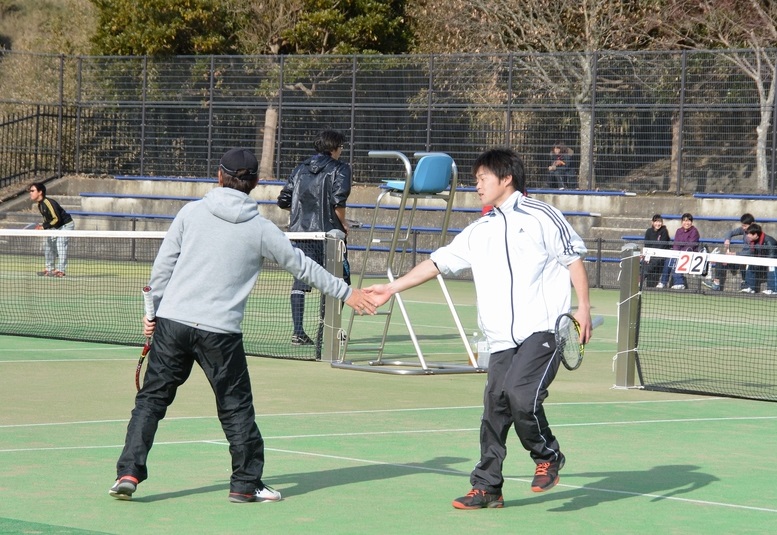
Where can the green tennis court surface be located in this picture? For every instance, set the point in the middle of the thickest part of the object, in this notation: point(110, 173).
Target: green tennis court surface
point(356, 452)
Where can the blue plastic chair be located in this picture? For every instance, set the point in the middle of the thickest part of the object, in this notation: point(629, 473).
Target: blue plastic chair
point(432, 175)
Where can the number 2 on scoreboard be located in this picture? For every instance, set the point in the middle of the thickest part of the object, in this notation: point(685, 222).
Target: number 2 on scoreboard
point(690, 263)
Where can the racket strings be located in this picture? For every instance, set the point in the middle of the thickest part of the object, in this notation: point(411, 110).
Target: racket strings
point(568, 341)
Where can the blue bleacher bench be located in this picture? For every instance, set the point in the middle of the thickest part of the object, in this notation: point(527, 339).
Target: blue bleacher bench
point(125, 215)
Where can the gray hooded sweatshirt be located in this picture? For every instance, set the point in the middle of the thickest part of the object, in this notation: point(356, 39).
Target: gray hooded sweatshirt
point(212, 255)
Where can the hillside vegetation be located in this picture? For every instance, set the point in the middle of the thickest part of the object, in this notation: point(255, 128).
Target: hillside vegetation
point(47, 26)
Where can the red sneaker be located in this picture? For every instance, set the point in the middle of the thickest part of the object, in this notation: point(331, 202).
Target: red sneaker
point(546, 474)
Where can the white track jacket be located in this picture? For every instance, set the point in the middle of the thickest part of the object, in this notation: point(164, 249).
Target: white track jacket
point(518, 254)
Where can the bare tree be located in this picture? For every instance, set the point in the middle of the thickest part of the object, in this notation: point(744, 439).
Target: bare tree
point(308, 27)
point(264, 22)
point(572, 31)
point(747, 30)
point(261, 32)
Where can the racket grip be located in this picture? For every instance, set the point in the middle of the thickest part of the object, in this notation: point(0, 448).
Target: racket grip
point(596, 321)
point(148, 303)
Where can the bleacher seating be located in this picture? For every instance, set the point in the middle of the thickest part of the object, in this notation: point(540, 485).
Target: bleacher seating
point(732, 219)
point(551, 191)
point(740, 196)
point(125, 215)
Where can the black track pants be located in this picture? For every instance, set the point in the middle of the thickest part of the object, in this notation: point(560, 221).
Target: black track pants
point(518, 381)
point(221, 356)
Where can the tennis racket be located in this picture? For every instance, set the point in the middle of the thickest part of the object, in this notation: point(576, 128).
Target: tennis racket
point(568, 340)
point(148, 304)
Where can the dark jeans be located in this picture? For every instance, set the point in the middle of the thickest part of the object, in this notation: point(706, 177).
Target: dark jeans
point(677, 278)
point(221, 356)
point(721, 270)
point(652, 271)
point(561, 178)
point(755, 275)
point(517, 385)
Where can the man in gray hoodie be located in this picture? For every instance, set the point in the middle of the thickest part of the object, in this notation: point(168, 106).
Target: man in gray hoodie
point(205, 269)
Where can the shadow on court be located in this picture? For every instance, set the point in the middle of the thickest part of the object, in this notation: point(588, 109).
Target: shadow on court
point(179, 493)
point(304, 482)
point(661, 482)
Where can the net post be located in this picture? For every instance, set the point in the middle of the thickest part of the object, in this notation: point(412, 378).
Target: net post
point(334, 249)
point(628, 309)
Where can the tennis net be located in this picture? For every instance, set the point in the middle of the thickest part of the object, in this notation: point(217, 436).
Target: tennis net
point(100, 300)
point(707, 338)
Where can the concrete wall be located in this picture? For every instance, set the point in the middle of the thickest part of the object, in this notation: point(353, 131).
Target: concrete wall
point(620, 215)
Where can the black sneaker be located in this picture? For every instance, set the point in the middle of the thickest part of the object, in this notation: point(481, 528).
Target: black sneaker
point(546, 474)
point(124, 487)
point(301, 340)
point(478, 499)
point(265, 494)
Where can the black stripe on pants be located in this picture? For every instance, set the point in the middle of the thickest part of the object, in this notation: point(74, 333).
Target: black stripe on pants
point(222, 358)
point(518, 381)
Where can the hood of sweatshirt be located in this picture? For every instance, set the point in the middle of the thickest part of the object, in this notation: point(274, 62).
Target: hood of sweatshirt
point(230, 205)
point(317, 163)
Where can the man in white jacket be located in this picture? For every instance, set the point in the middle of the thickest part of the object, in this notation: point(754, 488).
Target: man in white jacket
point(522, 254)
point(205, 269)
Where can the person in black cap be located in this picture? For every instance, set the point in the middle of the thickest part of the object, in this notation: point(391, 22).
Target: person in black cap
point(205, 269)
point(316, 193)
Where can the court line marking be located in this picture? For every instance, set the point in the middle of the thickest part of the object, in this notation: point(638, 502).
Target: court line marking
point(402, 431)
point(439, 470)
point(423, 468)
point(508, 478)
point(368, 411)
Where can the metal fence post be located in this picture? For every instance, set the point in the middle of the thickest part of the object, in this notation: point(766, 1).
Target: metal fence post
point(774, 147)
point(143, 117)
point(279, 129)
point(599, 262)
point(429, 105)
point(77, 140)
point(352, 129)
point(509, 111)
point(628, 309)
point(60, 113)
point(210, 114)
point(681, 120)
point(333, 309)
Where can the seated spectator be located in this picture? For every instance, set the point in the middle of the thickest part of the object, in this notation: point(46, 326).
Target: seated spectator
point(686, 238)
point(720, 271)
point(761, 245)
point(562, 169)
point(656, 236)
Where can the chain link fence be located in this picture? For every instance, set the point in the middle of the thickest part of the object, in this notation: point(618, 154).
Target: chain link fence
point(679, 122)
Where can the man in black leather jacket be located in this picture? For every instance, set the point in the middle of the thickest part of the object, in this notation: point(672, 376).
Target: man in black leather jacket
point(316, 193)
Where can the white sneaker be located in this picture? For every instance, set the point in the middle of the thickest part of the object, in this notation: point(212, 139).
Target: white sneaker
point(769, 292)
point(660, 285)
point(265, 494)
point(747, 291)
point(678, 287)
